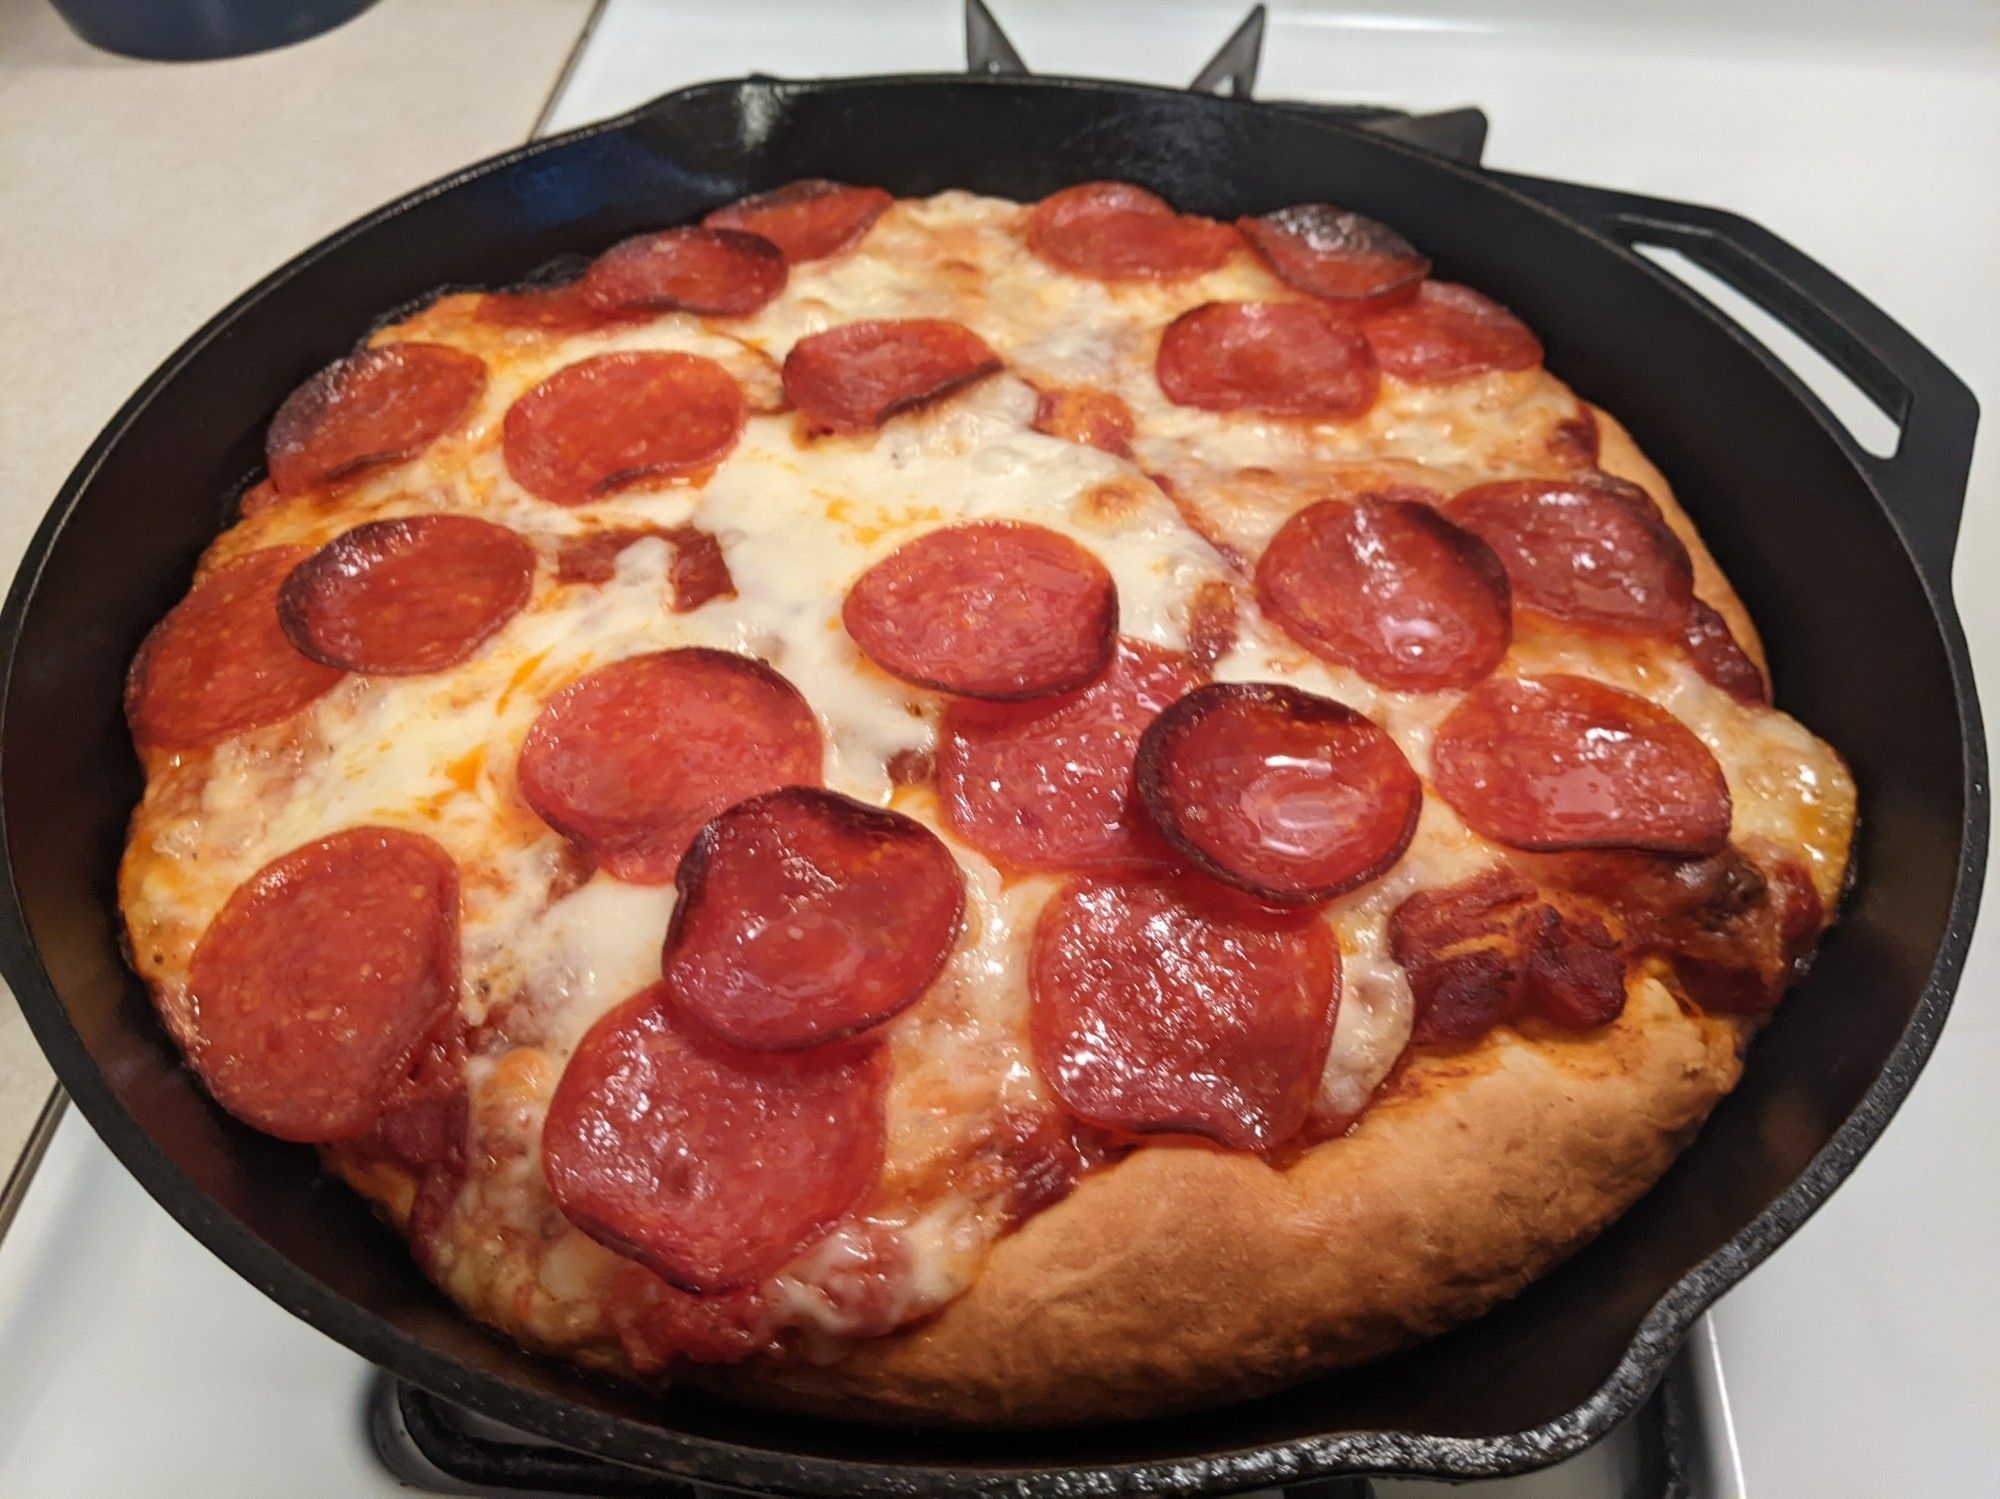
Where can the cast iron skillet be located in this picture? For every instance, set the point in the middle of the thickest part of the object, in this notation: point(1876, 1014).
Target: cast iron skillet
point(1843, 558)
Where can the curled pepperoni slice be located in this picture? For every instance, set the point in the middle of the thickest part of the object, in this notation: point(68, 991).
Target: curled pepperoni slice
point(807, 220)
point(1593, 551)
point(1561, 762)
point(397, 597)
point(371, 409)
point(1290, 796)
point(1088, 417)
point(1449, 332)
point(1114, 231)
point(804, 916)
point(715, 272)
point(1048, 785)
point(1334, 252)
point(1716, 655)
point(320, 978)
point(620, 420)
point(631, 759)
point(994, 609)
point(1163, 1006)
point(1278, 358)
point(220, 663)
point(710, 1166)
point(855, 377)
point(1390, 588)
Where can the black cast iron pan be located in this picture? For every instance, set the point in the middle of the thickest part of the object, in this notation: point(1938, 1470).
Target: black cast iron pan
point(1843, 559)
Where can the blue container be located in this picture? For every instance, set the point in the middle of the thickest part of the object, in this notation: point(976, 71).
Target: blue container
point(189, 30)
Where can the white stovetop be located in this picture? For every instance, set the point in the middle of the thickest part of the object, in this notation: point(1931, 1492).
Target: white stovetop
point(1861, 1360)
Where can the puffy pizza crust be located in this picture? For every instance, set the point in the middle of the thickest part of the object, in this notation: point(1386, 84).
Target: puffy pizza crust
point(1186, 1275)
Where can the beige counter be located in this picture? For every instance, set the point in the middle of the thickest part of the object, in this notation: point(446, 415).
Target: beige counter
point(137, 198)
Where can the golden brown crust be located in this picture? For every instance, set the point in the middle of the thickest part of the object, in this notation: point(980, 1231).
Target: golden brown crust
point(1620, 456)
point(1186, 1275)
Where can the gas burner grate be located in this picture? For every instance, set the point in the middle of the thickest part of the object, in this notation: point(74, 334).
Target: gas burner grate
point(1457, 133)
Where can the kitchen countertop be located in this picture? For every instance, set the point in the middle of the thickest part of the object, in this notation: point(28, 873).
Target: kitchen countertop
point(139, 197)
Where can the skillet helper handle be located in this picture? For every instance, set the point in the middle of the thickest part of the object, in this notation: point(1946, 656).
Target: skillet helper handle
point(1923, 481)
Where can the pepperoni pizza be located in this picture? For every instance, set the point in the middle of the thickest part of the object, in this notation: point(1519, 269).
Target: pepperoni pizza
point(951, 810)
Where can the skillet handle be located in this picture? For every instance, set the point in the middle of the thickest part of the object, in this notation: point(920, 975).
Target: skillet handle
point(1923, 481)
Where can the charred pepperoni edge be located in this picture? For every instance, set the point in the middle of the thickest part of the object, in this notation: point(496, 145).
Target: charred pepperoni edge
point(1275, 235)
point(318, 577)
point(760, 275)
point(1157, 743)
point(855, 208)
point(820, 426)
point(294, 423)
point(873, 823)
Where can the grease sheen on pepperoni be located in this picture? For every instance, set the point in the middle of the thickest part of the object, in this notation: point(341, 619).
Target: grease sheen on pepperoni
point(1335, 252)
point(219, 663)
point(710, 1166)
point(411, 595)
point(1717, 655)
point(855, 377)
point(1114, 231)
point(1449, 332)
point(1278, 358)
point(805, 916)
point(1560, 762)
point(992, 609)
point(322, 975)
point(619, 420)
point(374, 408)
point(1048, 785)
point(1290, 796)
point(714, 272)
point(1168, 1006)
point(807, 220)
point(1390, 588)
point(1594, 551)
point(631, 759)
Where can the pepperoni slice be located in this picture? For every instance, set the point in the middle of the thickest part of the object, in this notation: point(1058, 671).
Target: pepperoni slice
point(714, 272)
point(1088, 417)
point(1334, 252)
point(993, 609)
point(320, 978)
point(1449, 332)
point(1114, 231)
point(549, 309)
point(855, 377)
point(397, 597)
point(1561, 762)
point(807, 220)
point(1290, 796)
point(1048, 785)
point(371, 409)
point(1593, 551)
point(1390, 588)
point(805, 916)
point(710, 1166)
point(1278, 358)
point(219, 663)
point(620, 420)
point(1165, 1006)
point(630, 760)
point(699, 571)
point(1716, 655)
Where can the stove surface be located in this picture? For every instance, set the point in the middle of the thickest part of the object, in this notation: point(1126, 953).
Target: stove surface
point(1860, 1360)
